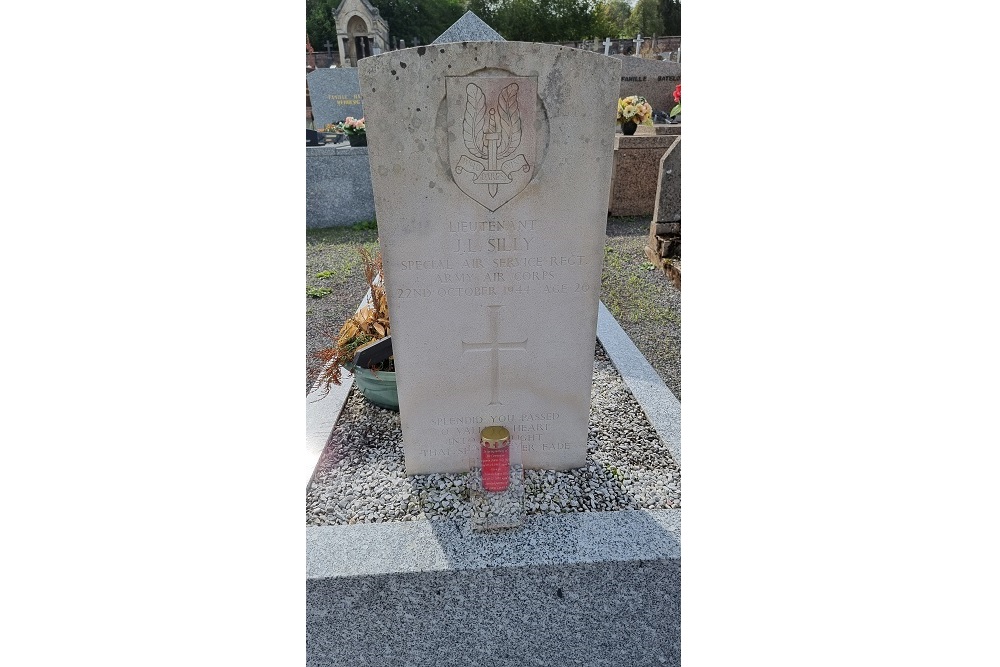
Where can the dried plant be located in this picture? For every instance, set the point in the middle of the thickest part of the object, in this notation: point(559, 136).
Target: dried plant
point(370, 323)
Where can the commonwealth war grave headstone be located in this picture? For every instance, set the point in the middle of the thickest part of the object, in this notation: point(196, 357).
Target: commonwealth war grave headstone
point(334, 94)
point(491, 167)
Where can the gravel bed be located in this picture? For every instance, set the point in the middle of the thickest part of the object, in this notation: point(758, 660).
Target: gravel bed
point(361, 476)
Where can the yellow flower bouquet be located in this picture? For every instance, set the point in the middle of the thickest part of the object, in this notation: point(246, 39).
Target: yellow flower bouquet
point(634, 109)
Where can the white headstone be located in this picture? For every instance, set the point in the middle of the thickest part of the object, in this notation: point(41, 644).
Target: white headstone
point(607, 45)
point(491, 166)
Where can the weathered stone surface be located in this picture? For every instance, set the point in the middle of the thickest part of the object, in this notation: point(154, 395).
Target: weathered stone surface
point(666, 227)
point(335, 95)
point(668, 189)
point(653, 79)
point(491, 166)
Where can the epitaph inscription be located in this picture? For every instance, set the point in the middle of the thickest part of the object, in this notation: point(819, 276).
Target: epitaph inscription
point(492, 120)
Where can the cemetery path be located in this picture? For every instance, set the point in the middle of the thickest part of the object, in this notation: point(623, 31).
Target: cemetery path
point(642, 299)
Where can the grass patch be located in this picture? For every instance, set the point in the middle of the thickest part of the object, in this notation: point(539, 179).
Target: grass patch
point(332, 254)
point(631, 291)
point(318, 292)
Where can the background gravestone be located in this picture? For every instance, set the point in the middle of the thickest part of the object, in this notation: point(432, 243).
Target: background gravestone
point(653, 79)
point(663, 245)
point(335, 95)
point(491, 167)
point(469, 28)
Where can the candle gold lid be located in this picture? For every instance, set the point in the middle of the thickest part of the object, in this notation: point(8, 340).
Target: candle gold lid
point(494, 436)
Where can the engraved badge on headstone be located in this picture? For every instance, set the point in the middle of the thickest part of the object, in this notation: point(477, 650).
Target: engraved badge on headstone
point(492, 135)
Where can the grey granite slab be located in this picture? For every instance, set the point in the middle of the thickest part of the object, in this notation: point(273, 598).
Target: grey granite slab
point(469, 28)
point(338, 186)
point(335, 95)
point(668, 190)
point(653, 79)
point(598, 588)
point(422, 546)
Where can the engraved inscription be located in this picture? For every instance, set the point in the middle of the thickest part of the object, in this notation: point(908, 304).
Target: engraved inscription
point(491, 258)
point(458, 435)
point(494, 346)
point(495, 157)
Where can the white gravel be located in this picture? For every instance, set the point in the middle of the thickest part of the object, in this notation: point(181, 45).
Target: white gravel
point(361, 477)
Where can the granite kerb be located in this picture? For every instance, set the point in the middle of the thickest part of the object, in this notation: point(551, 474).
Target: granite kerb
point(375, 549)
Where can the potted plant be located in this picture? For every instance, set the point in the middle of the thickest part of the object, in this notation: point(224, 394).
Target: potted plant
point(634, 111)
point(354, 128)
point(363, 345)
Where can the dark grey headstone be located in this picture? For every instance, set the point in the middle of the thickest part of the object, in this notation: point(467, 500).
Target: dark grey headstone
point(667, 208)
point(653, 79)
point(373, 353)
point(335, 95)
point(469, 28)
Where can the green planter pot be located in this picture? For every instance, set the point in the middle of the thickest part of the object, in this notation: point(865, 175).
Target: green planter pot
point(378, 388)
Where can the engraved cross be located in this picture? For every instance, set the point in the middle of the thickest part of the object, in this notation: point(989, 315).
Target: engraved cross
point(494, 346)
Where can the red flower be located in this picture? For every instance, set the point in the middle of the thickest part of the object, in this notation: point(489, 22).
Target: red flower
point(677, 93)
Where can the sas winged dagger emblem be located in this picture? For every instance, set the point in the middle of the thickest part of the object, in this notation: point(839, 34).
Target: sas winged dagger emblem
point(491, 165)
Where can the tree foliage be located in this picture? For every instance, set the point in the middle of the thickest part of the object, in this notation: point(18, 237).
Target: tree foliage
point(612, 17)
point(423, 19)
point(670, 12)
point(645, 19)
point(540, 20)
point(320, 25)
point(516, 20)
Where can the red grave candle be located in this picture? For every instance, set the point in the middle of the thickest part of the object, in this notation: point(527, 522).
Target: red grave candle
point(495, 452)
